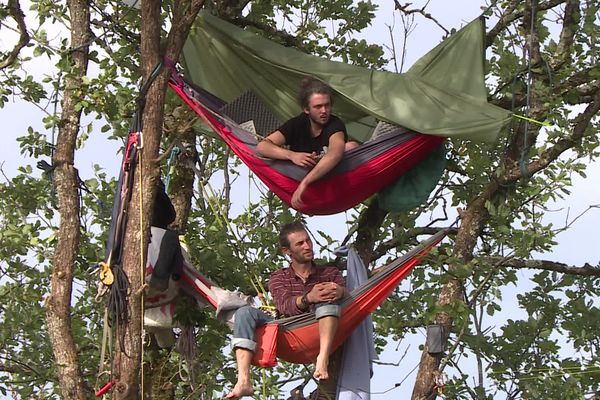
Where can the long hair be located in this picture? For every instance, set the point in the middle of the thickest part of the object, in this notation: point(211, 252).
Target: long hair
point(310, 86)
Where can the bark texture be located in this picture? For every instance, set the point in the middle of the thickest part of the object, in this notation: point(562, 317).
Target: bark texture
point(129, 358)
point(66, 179)
point(182, 177)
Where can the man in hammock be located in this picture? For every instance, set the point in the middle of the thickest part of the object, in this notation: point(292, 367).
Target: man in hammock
point(314, 139)
point(302, 287)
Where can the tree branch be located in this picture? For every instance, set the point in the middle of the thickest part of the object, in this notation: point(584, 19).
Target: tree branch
point(114, 25)
point(404, 9)
point(579, 130)
point(407, 237)
point(286, 39)
point(571, 18)
point(15, 366)
point(184, 15)
point(15, 11)
point(568, 223)
point(513, 13)
point(547, 265)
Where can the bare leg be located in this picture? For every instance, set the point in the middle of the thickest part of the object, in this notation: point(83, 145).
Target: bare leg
point(243, 386)
point(327, 329)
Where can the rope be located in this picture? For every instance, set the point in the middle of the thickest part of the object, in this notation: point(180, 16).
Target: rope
point(218, 212)
point(398, 384)
point(542, 373)
point(186, 346)
point(142, 263)
point(117, 312)
point(106, 342)
point(117, 299)
point(442, 383)
point(220, 216)
point(261, 293)
point(47, 168)
point(535, 121)
point(141, 99)
point(223, 219)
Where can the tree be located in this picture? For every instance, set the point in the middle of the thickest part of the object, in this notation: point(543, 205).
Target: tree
point(129, 356)
point(116, 42)
point(503, 197)
point(58, 303)
point(504, 190)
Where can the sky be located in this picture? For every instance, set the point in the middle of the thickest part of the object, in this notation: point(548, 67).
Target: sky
point(576, 246)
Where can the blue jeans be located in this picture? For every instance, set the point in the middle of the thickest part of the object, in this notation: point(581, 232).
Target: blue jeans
point(248, 318)
point(245, 322)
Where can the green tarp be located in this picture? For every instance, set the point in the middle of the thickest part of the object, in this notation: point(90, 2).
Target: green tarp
point(442, 94)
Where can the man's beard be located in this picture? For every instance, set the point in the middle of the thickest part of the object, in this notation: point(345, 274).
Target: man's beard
point(302, 259)
point(318, 122)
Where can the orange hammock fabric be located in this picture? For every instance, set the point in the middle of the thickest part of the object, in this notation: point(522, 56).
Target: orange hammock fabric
point(296, 339)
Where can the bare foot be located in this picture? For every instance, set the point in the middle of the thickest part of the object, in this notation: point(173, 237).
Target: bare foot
point(321, 368)
point(240, 390)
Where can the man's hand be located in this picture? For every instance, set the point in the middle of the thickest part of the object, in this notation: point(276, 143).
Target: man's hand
point(330, 159)
point(307, 160)
point(325, 292)
point(296, 201)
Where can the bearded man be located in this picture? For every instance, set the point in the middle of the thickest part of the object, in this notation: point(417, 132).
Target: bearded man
point(313, 139)
point(301, 287)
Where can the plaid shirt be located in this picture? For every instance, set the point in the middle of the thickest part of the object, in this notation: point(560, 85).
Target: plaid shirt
point(285, 286)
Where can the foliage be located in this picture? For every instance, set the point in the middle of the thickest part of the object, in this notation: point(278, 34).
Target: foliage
point(527, 335)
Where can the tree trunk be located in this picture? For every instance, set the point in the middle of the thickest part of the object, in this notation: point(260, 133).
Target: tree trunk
point(472, 221)
point(129, 358)
point(66, 179)
point(369, 223)
point(181, 188)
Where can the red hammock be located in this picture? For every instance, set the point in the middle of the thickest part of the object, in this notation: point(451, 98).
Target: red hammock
point(361, 173)
point(296, 339)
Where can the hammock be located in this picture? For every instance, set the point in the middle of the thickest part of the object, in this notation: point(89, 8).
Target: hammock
point(362, 172)
point(296, 339)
